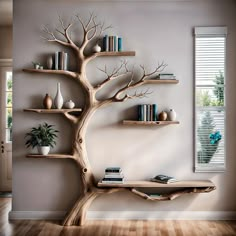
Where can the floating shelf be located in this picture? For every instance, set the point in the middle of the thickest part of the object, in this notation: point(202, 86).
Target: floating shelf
point(55, 156)
point(115, 54)
point(56, 111)
point(150, 184)
point(162, 81)
point(160, 123)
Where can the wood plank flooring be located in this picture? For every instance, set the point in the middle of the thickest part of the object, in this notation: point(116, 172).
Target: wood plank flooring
point(111, 227)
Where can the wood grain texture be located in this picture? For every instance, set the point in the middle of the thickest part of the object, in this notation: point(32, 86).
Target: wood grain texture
point(112, 227)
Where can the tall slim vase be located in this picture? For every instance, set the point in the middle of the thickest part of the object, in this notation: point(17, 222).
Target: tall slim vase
point(58, 100)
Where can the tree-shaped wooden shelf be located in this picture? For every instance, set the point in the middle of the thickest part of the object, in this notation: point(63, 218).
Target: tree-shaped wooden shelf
point(153, 123)
point(90, 31)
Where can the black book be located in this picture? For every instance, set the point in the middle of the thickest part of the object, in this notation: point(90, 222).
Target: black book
point(164, 179)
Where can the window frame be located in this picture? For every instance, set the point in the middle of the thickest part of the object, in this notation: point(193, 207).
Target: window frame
point(208, 32)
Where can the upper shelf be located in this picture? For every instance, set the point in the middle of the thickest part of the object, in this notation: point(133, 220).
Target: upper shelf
point(56, 111)
point(150, 184)
point(136, 122)
point(115, 54)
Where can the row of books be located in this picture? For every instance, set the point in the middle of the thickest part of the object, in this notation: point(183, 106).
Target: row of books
point(166, 76)
point(113, 175)
point(61, 61)
point(112, 43)
point(147, 112)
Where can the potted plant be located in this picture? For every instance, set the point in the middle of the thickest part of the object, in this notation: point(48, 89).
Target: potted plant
point(43, 137)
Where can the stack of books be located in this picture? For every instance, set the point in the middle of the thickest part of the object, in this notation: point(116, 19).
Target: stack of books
point(61, 61)
point(147, 112)
point(166, 76)
point(113, 175)
point(164, 179)
point(112, 43)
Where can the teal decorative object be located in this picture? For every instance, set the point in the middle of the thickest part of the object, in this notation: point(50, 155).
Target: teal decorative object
point(215, 137)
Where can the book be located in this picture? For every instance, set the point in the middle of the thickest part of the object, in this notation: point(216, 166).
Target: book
point(165, 179)
point(105, 43)
point(56, 60)
point(113, 175)
point(112, 179)
point(112, 182)
point(113, 169)
point(166, 76)
point(120, 44)
point(154, 112)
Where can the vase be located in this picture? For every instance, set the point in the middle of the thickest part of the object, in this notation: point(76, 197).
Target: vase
point(96, 48)
point(43, 150)
point(49, 62)
point(162, 116)
point(172, 115)
point(47, 102)
point(58, 100)
point(70, 104)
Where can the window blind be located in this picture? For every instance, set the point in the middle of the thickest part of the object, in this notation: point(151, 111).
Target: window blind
point(210, 98)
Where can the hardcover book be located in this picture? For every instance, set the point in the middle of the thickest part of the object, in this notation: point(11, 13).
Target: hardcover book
point(164, 179)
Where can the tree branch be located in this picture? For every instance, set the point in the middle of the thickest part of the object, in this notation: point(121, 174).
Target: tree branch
point(52, 37)
point(115, 74)
point(71, 118)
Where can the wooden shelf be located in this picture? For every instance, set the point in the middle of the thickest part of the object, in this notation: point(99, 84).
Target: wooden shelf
point(158, 123)
point(150, 184)
point(55, 156)
point(115, 54)
point(162, 81)
point(55, 111)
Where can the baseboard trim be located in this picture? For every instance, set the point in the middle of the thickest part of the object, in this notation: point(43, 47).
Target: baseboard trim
point(128, 215)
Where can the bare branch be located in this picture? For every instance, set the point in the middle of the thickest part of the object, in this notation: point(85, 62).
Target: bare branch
point(70, 117)
point(118, 72)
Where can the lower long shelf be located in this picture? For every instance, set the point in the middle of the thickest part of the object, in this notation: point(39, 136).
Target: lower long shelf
point(149, 184)
point(137, 122)
point(55, 156)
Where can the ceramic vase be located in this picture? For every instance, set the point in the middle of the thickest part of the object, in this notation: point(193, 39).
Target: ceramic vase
point(43, 150)
point(172, 115)
point(70, 104)
point(58, 100)
point(47, 102)
point(96, 48)
point(162, 116)
point(49, 62)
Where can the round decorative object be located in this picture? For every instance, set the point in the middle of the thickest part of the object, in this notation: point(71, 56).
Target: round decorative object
point(43, 150)
point(96, 48)
point(49, 62)
point(172, 115)
point(70, 104)
point(47, 102)
point(58, 100)
point(162, 116)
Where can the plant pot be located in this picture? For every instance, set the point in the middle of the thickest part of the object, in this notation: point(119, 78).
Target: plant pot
point(43, 150)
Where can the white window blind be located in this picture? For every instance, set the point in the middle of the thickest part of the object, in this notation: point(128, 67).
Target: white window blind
point(210, 98)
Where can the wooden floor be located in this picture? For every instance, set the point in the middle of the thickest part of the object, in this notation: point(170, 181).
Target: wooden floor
point(112, 228)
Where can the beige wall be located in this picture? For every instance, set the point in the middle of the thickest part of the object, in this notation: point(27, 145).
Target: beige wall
point(6, 42)
point(157, 31)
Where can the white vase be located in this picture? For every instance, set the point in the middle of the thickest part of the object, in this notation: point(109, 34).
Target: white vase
point(172, 115)
point(96, 48)
point(43, 150)
point(49, 62)
point(58, 100)
point(70, 104)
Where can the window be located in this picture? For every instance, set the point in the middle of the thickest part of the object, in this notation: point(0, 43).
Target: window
point(210, 98)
